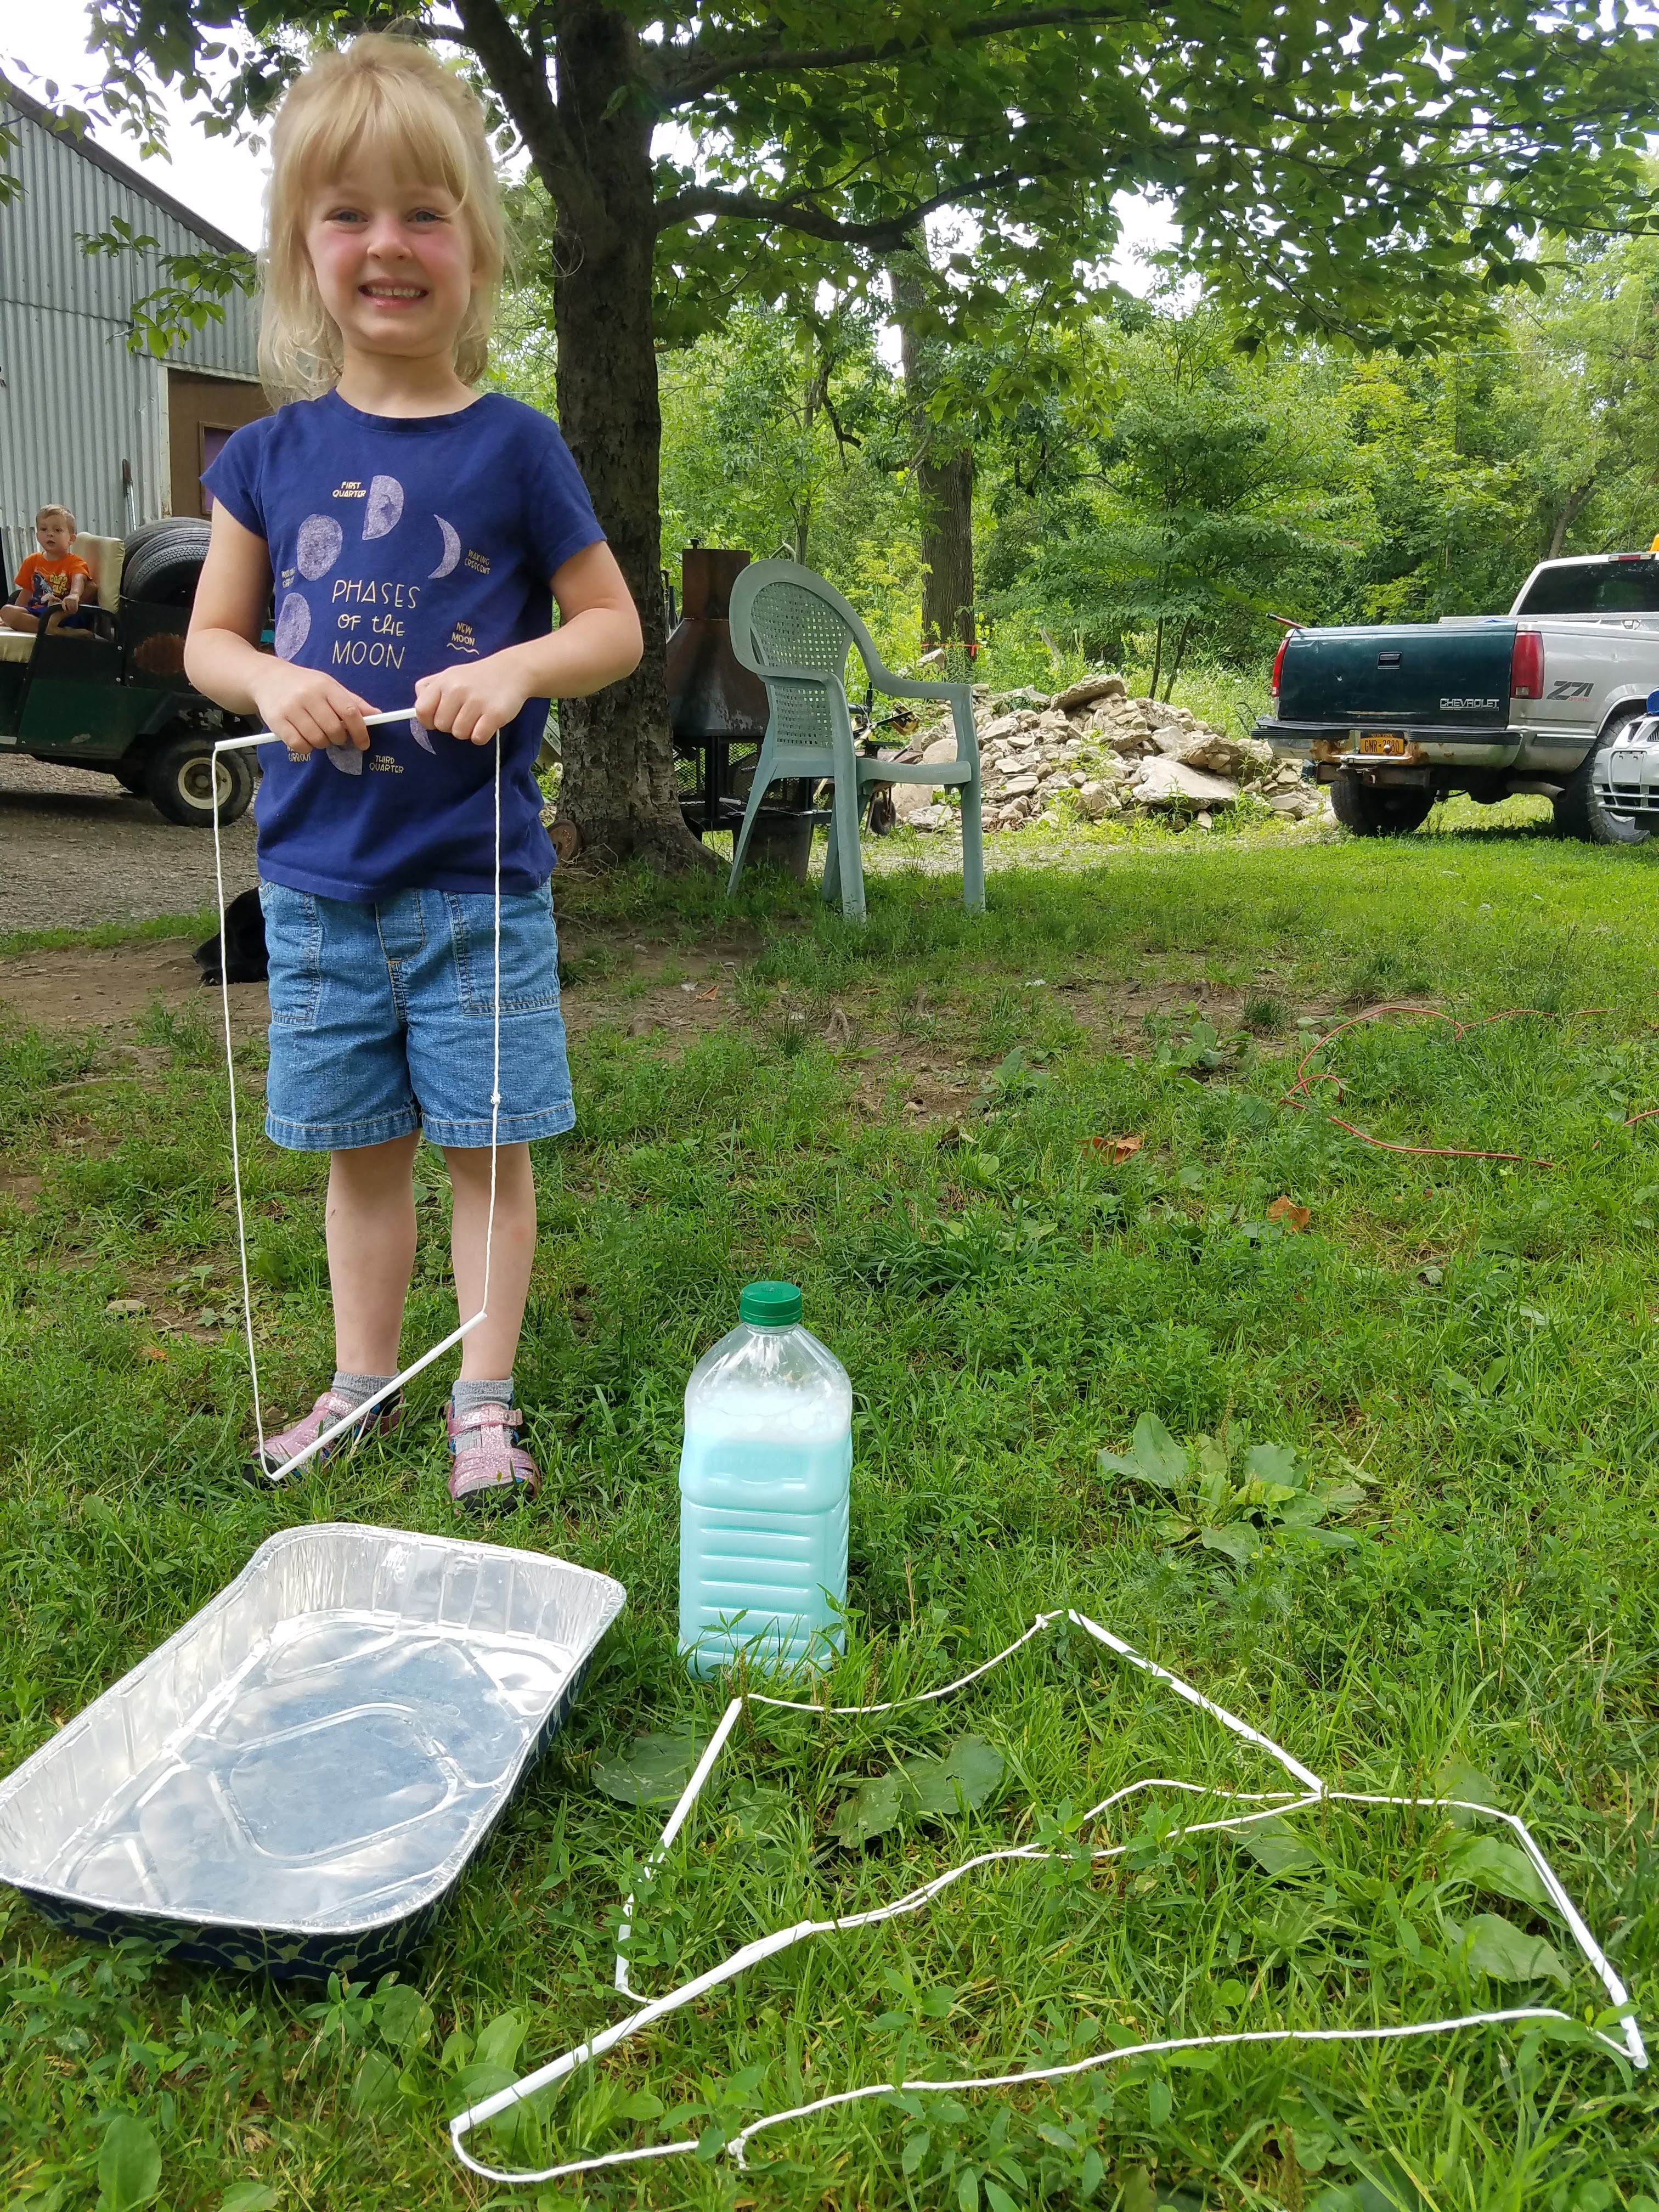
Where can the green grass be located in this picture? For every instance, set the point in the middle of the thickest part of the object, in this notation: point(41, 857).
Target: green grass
point(1476, 1337)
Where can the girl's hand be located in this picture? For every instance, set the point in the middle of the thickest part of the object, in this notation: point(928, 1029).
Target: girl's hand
point(472, 700)
point(308, 710)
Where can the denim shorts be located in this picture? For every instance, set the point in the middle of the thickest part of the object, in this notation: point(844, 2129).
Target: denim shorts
point(381, 1020)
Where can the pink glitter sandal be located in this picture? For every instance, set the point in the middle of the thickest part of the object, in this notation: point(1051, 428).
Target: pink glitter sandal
point(489, 1468)
point(380, 1421)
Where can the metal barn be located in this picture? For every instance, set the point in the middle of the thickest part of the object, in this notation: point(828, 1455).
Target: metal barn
point(119, 437)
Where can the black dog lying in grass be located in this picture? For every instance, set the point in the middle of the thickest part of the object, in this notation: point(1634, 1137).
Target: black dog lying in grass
point(243, 960)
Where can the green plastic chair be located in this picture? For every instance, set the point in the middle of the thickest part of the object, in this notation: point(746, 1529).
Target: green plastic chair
point(794, 630)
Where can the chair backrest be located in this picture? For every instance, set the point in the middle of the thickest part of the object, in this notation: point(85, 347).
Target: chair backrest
point(783, 616)
point(103, 555)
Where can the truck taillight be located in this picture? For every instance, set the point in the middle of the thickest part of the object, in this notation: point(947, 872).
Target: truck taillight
point(1279, 661)
point(1527, 665)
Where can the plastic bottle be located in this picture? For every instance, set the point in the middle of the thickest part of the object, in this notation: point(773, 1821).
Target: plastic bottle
point(764, 1477)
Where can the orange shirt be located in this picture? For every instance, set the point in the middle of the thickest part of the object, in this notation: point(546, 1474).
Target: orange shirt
point(42, 580)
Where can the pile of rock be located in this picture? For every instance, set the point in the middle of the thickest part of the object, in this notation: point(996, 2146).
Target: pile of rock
point(1095, 751)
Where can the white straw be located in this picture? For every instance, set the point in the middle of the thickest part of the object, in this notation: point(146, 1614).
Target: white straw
point(354, 1419)
point(1268, 1805)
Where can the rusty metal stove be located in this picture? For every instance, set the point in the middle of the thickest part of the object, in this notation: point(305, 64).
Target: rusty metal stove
point(717, 713)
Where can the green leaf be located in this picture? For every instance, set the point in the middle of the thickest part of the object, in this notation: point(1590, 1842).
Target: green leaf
point(1496, 1948)
point(481, 2080)
point(961, 1781)
point(129, 2164)
point(376, 2084)
point(1489, 1863)
point(1275, 1845)
point(406, 2019)
point(998, 2198)
point(498, 2044)
point(1238, 1539)
point(1161, 1461)
point(1093, 2173)
point(968, 2189)
point(249, 2197)
point(653, 1770)
point(916, 2147)
point(1160, 2101)
point(641, 2104)
point(1272, 1464)
point(1458, 1779)
point(873, 1808)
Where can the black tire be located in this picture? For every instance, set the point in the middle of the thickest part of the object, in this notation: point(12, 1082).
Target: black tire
point(176, 780)
point(1372, 810)
point(1580, 813)
point(161, 563)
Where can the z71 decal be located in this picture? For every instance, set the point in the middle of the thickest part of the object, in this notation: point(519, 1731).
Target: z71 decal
point(1567, 690)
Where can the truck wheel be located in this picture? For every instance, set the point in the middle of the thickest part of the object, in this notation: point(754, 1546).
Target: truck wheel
point(162, 563)
point(178, 778)
point(1379, 810)
point(1580, 813)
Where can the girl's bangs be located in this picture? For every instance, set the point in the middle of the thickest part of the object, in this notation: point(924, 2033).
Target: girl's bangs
point(391, 127)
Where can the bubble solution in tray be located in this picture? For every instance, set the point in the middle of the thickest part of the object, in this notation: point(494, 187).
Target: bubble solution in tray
point(296, 1779)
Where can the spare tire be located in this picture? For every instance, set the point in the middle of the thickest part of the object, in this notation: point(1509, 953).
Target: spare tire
point(161, 562)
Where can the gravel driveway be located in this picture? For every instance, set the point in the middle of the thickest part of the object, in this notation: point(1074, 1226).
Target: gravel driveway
point(75, 850)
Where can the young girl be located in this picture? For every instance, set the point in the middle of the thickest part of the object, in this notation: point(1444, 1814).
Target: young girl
point(416, 533)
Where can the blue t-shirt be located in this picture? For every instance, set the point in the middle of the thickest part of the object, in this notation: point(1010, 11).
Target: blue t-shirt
point(398, 548)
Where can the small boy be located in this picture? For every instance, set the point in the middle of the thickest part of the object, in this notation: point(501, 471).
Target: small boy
point(51, 582)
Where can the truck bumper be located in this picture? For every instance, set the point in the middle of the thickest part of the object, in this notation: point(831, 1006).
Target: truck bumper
point(1331, 747)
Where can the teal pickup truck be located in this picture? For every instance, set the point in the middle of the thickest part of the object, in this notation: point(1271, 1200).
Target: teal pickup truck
point(1392, 717)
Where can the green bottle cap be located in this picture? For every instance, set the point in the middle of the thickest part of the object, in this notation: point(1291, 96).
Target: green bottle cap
point(769, 1305)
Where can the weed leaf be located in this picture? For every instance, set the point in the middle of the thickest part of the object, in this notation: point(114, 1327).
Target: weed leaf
point(405, 2017)
point(961, 1781)
point(249, 2197)
point(498, 2044)
point(1275, 1845)
point(129, 2164)
point(653, 1770)
point(1155, 1456)
point(1489, 1863)
point(1238, 1539)
point(376, 2084)
point(873, 1808)
point(1496, 1948)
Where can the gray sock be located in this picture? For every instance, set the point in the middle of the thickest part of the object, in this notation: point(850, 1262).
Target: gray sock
point(357, 1387)
point(466, 1395)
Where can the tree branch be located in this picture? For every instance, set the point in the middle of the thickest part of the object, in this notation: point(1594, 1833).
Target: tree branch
point(694, 71)
point(520, 84)
point(885, 236)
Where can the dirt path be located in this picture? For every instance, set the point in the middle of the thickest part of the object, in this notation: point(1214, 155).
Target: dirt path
point(75, 851)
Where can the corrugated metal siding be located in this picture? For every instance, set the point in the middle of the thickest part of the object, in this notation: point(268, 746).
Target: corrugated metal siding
point(74, 402)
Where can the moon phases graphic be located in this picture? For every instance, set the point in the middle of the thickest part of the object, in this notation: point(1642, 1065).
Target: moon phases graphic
point(451, 548)
point(346, 758)
point(386, 506)
point(293, 626)
point(320, 540)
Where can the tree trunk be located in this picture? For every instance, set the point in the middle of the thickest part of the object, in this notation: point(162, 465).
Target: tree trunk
point(946, 486)
point(944, 477)
point(1576, 502)
point(617, 787)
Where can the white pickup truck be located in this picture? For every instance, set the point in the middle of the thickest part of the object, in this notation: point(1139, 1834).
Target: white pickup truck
point(1394, 716)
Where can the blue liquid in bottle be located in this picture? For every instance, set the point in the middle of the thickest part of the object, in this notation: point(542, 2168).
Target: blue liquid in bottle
point(764, 1477)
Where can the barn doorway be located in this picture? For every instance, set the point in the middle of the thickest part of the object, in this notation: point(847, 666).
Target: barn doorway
point(202, 412)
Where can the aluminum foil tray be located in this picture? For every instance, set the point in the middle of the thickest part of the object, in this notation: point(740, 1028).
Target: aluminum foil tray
point(294, 1782)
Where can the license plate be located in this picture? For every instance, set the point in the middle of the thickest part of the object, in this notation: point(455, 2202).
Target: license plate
point(1380, 741)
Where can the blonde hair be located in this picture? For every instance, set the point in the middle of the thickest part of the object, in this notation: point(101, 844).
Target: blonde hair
point(388, 98)
point(62, 513)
